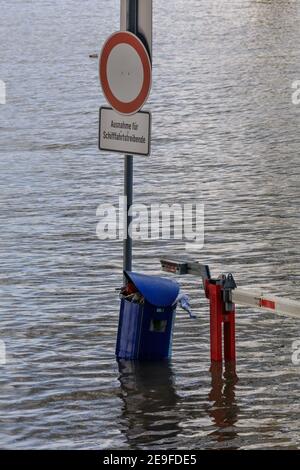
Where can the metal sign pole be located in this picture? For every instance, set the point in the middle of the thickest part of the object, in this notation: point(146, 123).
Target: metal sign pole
point(128, 199)
point(136, 17)
point(131, 26)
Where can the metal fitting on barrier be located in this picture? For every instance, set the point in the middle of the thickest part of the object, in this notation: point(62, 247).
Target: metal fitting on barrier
point(228, 286)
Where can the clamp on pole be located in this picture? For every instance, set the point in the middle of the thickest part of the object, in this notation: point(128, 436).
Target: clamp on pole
point(228, 286)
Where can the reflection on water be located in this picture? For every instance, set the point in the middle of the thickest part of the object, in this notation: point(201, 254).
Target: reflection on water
point(224, 409)
point(152, 414)
point(149, 402)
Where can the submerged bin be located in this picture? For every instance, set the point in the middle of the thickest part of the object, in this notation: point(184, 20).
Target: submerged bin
point(146, 318)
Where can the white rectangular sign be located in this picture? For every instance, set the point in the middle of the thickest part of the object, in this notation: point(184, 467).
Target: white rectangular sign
point(124, 134)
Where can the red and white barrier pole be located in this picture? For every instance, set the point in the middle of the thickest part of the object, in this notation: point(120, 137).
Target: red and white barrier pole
point(223, 295)
point(258, 299)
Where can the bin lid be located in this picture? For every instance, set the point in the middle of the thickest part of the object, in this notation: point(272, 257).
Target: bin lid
point(158, 291)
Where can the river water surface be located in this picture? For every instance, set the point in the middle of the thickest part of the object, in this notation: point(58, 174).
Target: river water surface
point(225, 133)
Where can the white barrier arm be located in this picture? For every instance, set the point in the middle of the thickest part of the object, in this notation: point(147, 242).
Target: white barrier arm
point(248, 297)
point(256, 298)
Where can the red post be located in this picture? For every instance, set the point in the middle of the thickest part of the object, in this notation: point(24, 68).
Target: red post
point(215, 297)
point(219, 316)
point(229, 335)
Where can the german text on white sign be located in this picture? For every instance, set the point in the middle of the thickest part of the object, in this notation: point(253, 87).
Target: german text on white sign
point(124, 134)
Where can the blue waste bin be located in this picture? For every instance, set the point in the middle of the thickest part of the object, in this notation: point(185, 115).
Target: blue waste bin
point(145, 329)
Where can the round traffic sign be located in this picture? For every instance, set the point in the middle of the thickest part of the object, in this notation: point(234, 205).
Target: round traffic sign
point(125, 72)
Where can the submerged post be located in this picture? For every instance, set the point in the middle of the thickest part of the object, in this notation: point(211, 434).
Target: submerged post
point(222, 321)
point(216, 320)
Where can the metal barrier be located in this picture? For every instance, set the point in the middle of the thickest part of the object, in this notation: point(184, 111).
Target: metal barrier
point(223, 295)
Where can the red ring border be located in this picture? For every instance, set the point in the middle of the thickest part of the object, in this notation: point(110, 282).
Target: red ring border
point(131, 39)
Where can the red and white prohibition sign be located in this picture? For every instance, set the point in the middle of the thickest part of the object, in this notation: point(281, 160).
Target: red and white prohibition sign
point(125, 72)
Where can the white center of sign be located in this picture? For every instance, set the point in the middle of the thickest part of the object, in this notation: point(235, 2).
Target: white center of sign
point(125, 73)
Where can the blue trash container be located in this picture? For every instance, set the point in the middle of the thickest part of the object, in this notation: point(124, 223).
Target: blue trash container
point(145, 329)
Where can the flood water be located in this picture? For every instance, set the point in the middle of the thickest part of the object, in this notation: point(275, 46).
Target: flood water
point(225, 133)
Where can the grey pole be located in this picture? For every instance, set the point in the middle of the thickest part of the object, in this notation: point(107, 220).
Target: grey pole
point(132, 26)
point(128, 198)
